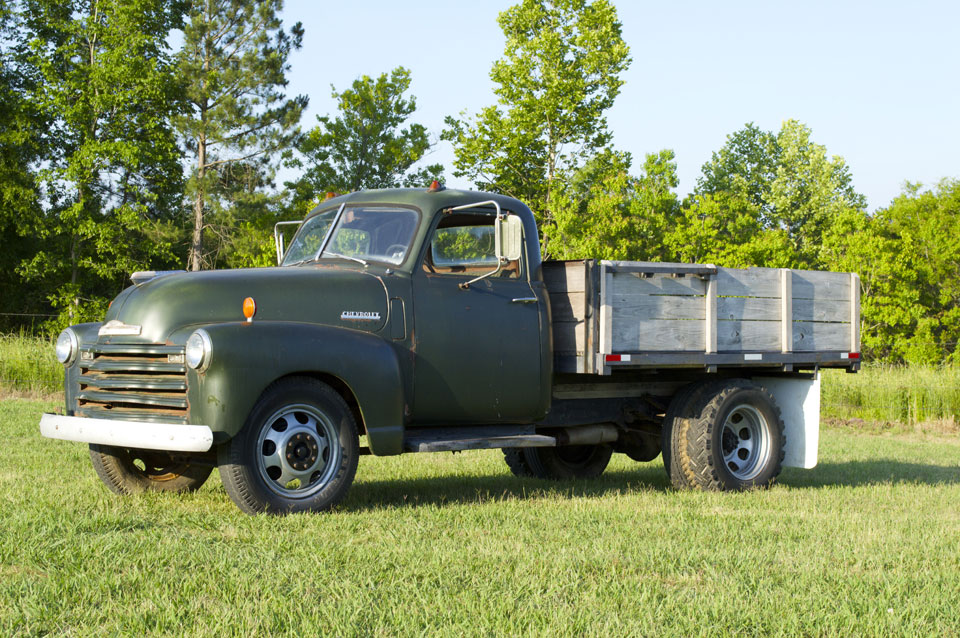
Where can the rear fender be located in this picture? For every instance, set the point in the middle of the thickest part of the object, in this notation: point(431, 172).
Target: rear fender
point(248, 357)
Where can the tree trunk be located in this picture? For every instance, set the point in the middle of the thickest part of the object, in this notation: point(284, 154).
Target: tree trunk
point(196, 247)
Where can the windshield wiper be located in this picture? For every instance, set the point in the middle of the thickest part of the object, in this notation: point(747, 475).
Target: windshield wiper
point(356, 259)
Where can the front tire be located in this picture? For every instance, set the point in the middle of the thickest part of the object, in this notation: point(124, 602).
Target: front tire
point(129, 471)
point(297, 451)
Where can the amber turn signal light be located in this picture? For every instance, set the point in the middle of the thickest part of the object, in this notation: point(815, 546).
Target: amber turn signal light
point(249, 308)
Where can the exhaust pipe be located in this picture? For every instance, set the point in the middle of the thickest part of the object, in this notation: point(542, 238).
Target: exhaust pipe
point(588, 435)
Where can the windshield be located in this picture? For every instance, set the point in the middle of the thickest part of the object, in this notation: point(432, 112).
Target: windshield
point(374, 233)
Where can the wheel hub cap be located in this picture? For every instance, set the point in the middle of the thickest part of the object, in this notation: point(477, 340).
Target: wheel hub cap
point(745, 442)
point(298, 453)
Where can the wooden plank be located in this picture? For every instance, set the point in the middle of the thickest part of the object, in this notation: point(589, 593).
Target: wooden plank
point(737, 336)
point(822, 310)
point(564, 276)
point(606, 316)
point(568, 307)
point(749, 308)
point(645, 307)
point(809, 336)
point(752, 282)
point(625, 284)
point(568, 336)
point(658, 335)
point(815, 284)
point(786, 310)
point(710, 316)
point(854, 312)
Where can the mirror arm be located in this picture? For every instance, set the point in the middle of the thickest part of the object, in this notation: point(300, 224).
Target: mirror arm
point(466, 285)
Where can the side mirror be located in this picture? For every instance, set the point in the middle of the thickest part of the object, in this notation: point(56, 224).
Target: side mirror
point(509, 238)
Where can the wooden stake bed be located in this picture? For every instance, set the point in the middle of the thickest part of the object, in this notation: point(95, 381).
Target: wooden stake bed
point(699, 315)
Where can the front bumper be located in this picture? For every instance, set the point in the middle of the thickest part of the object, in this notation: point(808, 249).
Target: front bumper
point(128, 434)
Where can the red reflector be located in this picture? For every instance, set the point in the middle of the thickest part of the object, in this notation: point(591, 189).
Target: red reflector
point(854, 355)
point(613, 357)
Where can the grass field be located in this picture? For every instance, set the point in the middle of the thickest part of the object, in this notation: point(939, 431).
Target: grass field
point(868, 543)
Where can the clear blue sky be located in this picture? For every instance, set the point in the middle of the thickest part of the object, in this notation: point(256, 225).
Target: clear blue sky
point(877, 82)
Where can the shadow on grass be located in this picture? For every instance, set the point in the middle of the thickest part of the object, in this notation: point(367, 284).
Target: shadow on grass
point(872, 472)
point(453, 490)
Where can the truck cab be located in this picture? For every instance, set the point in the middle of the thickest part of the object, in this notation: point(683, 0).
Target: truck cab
point(395, 305)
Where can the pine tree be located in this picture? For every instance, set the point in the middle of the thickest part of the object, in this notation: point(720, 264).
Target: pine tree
point(234, 64)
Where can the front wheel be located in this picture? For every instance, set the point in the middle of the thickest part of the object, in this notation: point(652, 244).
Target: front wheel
point(297, 451)
point(131, 471)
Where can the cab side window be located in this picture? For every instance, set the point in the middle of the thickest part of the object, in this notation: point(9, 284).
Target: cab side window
point(465, 245)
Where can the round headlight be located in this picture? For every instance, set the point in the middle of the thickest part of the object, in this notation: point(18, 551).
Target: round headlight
point(67, 346)
point(197, 353)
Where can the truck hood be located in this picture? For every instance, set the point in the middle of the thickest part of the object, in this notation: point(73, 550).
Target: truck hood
point(328, 294)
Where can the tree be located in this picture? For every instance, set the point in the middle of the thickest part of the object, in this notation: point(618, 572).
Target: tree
point(605, 213)
point(234, 64)
point(109, 177)
point(909, 264)
point(20, 127)
point(786, 183)
point(559, 74)
point(364, 147)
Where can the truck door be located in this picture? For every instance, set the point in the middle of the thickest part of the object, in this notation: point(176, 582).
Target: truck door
point(477, 349)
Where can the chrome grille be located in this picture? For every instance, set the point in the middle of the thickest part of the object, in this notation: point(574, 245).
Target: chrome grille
point(132, 381)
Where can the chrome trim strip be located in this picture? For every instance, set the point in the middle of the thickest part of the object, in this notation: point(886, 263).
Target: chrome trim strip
point(130, 434)
point(115, 327)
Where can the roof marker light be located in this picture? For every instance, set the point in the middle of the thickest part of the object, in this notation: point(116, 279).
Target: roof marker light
point(249, 308)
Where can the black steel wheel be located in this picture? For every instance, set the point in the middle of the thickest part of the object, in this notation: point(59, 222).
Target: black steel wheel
point(297, 451)
point(130, 471)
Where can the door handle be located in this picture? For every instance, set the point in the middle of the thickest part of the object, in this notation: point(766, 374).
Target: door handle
point(525, 300)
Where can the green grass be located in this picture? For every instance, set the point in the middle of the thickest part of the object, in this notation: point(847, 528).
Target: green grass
point(28, 365)
point(894, 394)
point(868, 543)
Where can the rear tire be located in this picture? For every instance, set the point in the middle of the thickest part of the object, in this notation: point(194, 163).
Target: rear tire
point(673, 437)
point(516, 461)
point(567, 462)
point(297, 451)
point(736, 440)
point(130, 471)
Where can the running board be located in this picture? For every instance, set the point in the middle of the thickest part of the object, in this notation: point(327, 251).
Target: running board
point(475, 438)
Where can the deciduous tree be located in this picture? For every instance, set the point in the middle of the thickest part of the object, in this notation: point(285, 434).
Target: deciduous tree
point(559, 74)
point(110, 171)
point(367, 145)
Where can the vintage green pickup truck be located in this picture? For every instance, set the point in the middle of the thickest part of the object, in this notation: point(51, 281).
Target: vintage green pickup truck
point(424, 320)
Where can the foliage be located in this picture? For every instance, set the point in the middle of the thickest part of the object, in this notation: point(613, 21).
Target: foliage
point(233, 65)
point(909, 262)
point(782, 182)
point(364, 147)
point(603, 212)
point(109, 174)
point(559, 73)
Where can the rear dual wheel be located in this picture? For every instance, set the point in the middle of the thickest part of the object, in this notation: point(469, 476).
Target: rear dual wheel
point(724, 436)
point(565, 462)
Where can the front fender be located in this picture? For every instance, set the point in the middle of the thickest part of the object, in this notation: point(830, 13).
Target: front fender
point(248, 357)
